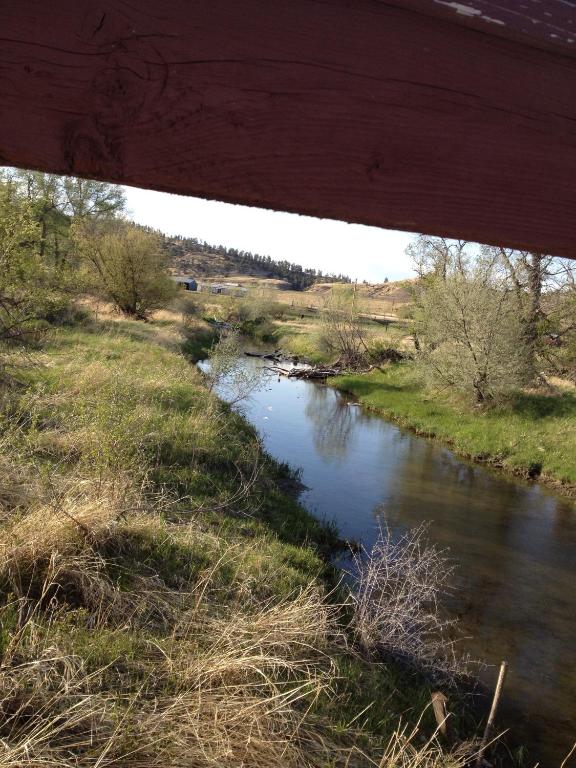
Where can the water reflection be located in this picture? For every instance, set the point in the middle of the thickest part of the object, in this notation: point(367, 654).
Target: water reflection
point(332, 423)
point(515, 543)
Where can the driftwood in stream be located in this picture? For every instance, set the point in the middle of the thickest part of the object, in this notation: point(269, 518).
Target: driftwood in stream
point(391, 355)
point(316, 372)
point(323, 371)
point(311, 373)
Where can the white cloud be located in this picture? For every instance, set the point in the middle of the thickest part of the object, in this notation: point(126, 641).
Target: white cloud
point(363, 253)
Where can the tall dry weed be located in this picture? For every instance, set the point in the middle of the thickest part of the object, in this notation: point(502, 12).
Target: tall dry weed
point(396, 595)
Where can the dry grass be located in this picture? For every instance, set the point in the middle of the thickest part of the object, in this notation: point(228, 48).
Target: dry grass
point(150, 614)
point(407, 749)
point(210, 690)
point(16, 491)
point(238, 704)
point(383, 299)
point(63, 524)
point(230, 686)
point(206, 690)
point(221, 691)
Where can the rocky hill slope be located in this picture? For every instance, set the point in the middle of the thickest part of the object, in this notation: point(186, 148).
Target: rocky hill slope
point(193, 257)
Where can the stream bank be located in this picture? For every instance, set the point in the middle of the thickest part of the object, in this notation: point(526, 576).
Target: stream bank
point(156, 573)
point(531, 436)
point(514, 542)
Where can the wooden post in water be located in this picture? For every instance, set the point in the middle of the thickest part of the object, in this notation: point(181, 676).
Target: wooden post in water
point(439, 702)
point(492, 715)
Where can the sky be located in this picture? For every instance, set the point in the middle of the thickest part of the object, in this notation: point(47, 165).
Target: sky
point(363, 253)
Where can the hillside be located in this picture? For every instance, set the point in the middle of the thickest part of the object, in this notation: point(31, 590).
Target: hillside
point(390, 291)
point(193, 257)
point(375, 298)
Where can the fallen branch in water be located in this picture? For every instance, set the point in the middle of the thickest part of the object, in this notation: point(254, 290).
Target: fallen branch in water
point(317, 372)
point(323, 371)
point(305, 373)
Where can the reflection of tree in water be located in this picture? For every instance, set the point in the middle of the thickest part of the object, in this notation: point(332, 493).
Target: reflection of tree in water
point(332, 420)
point(510, 542)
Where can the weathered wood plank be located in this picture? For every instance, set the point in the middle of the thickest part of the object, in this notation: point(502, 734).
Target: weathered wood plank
point(547, 24)
point(374, 112)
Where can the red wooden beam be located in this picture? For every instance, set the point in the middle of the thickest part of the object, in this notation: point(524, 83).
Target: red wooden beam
point(444, 117)
point(546, 24)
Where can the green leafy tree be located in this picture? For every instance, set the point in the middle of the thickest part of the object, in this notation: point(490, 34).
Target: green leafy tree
point(126, 264)
point(56, 201)
point(471, 337)
point(469, 332)
point(43, 191)
point(86, 198)
point(29, 291)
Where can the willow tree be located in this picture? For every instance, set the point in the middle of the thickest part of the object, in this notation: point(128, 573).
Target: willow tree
point(471, 337)
point(471, 334)
point(126, 264)
point(30, 292)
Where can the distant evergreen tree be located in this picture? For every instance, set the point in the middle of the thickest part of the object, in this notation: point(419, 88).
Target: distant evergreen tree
point(299, 277)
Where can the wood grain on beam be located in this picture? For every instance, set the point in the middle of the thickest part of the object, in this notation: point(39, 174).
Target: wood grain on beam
point(546, 24)
point(365, 111)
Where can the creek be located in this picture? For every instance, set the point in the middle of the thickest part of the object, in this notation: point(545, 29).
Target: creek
point(514, 543)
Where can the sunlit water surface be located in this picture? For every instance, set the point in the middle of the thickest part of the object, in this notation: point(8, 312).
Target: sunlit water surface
point(515, 543)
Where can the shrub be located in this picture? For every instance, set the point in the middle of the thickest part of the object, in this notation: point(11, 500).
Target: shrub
point(471, 336)
point(125, 263)
point(343, 334)
point(229, 372)
point(396, 593)
point(29, 291)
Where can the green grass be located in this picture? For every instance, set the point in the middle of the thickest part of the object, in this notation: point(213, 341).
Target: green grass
point(300, 339)
point(528, 435)
point(112, 415)
point(301, 336)
point(198, 344)
point(107, 398)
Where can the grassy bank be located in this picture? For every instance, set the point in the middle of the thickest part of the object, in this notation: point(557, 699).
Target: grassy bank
point(530, 435)
point(164, 600)
point(300, 335)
